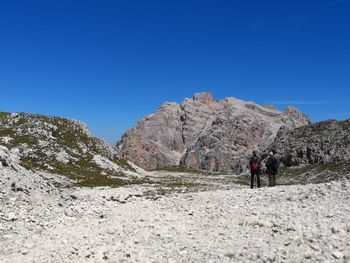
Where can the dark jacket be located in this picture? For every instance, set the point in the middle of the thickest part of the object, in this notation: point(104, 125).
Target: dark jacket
point(272, 165)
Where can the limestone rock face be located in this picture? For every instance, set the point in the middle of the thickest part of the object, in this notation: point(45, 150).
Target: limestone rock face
point(205, 133)
point(157, 139)
point(318, 143)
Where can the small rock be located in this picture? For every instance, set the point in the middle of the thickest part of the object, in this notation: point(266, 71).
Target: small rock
point(337, 254)
point(308, 254)
point(315, 247)
point(267, 224)
point(334, 230)
point(14, 115)
point(38, 232)
point(69, 213)
point(12, 216)
point(275, 230)
point(289, 229)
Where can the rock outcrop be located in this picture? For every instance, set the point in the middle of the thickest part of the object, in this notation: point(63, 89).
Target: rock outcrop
point(7, 158)
point(59, 146)
point(317, 143)
point(204, 133)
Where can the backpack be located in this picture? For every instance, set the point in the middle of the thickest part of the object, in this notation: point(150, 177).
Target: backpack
point(254, 166)
point(272, 165)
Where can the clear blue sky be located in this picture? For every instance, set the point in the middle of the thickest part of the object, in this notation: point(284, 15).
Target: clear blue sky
point(109, 63)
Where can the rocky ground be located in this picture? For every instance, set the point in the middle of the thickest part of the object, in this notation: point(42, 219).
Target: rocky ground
point(41, 220)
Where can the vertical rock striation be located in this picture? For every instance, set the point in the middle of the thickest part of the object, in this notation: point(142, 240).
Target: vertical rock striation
point(204, 133)
point(317, 143)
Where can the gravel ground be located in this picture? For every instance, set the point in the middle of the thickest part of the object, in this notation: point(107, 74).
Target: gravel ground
point(41, 221)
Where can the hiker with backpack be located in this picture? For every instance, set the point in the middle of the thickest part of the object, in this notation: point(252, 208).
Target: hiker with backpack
point(272, 169)
point(255, 167)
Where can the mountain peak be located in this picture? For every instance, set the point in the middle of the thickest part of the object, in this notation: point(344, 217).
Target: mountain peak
point(204, 133)
point(295, 114)
point(203, 97)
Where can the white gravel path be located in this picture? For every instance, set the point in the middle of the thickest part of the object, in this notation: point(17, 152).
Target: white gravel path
point(309, 223)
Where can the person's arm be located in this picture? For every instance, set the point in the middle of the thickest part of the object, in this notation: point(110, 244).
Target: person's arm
point(259, 163)
point(276, 164)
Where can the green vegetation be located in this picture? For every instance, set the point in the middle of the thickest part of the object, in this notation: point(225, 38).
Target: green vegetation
point(7, 132)
point(3, 114)
point(99, 180)
point(314, 173)
point(170, 185)
point(28, 165)
point(40, 138)
point(18, 139)
point(124, 164)
point(180, 169)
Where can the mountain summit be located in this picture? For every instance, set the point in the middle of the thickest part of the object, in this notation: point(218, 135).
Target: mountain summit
point(204, 133)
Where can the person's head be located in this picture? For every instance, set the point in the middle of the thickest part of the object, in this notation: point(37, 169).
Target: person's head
point(271, 153)
point(255, 153)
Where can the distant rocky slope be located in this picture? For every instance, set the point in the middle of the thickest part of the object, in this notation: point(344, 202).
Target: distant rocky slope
point(317, 143)
point(203, 133)
point(60, 146)
point(314, 153)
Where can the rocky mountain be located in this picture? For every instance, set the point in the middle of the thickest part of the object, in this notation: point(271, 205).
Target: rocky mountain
point(317, 143)
point(204, 133)
point(45, 217)
point(60, 146)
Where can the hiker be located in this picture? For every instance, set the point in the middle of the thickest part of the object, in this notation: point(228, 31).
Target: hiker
point(254, 170)
point(272, 169)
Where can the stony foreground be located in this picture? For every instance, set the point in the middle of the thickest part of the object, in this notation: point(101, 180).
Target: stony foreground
point(40, 222)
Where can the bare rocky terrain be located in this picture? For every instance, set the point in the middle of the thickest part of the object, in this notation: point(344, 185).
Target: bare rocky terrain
point(207, 134)
point(67, 196)
point(43, 221)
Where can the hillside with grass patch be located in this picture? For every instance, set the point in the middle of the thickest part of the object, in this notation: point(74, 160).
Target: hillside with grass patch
point(62, 146)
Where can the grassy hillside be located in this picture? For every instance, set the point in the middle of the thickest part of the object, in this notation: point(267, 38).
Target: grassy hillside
point(314, 173)
point(62, 146)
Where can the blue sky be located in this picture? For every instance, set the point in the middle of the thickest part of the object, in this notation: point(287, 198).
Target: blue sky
point(109, 63)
